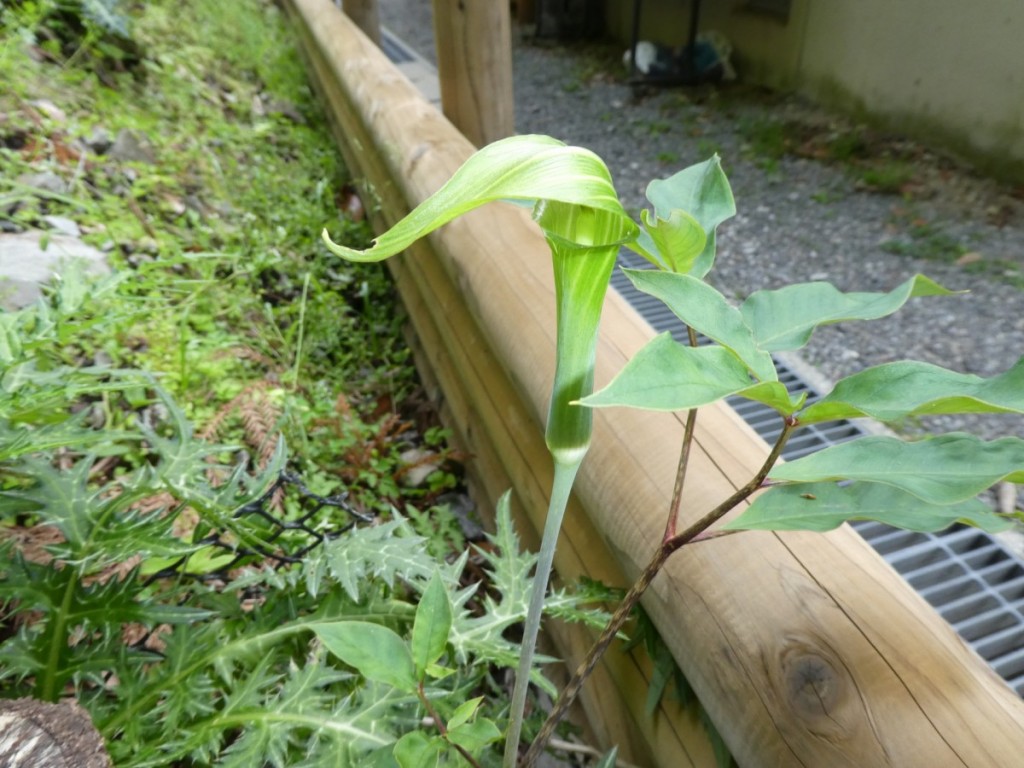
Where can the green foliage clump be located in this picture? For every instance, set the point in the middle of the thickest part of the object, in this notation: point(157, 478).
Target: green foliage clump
point(201, 455)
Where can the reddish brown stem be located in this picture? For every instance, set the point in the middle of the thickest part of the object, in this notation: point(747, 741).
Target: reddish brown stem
point(632, 597)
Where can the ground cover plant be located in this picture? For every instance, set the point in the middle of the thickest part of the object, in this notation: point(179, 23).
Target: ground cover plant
point(215, 464)
point(923, 485)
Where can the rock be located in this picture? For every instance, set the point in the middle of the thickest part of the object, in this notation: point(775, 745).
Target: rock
point(51, 110)
point(30, 259)
point(420, 464)
point(62, 225)
point(46, 181)
point(99, 141)
point(132, 147)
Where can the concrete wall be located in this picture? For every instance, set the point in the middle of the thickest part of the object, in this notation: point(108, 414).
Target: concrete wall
point(948, 71)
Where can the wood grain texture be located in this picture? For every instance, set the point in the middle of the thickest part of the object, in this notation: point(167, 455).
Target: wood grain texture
point(806, 649)
point(366, 16)
point(474, 67)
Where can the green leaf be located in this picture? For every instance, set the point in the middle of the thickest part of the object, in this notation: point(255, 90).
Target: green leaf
point(372, 552)
point(376, 652)
point(824, 506)
point(775, 395)
point(517, 168)
point(898, 390)
point(474, 736)
point(784, 319)
point(703, 192)
point(708, 312)
point(464, 712)
point(608, 759)
point(416, 750)
point(674, 243)
point(431, 627)
point(668, 376)
point(940, 470)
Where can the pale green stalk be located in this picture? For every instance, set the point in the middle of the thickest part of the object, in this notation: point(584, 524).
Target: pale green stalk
point(581, 280)
point(561, 486)
point(584, 224)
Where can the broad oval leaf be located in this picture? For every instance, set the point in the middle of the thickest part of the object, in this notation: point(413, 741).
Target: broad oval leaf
point(417, 750)
point(476, 735)
point(375, 651)
point(465, 712)
point(677, 240)
point(529, 168)
point(940, 470)
point(898, 390)
point(824, 506)
point(668, 376)
point(432, 624)
point(775, 395)
point(784, 319)
point(703, 192)
point(708, 312)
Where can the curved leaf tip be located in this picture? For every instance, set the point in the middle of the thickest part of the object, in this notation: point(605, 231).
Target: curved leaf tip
point(520, 168)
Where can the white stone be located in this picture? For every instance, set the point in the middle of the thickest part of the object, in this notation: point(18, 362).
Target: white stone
point(26, 265)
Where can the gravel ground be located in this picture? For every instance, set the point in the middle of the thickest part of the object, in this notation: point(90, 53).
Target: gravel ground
point(800, 218)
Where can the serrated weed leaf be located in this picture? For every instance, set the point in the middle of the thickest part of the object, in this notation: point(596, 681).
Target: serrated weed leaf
point(386, 551)
point(785, 319)
point(431, 626)
point(895, 391)
point(824, 506)
point(946, 469)
point(377, 652)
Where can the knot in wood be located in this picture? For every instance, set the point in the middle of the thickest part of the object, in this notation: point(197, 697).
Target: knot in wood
point(812, 684)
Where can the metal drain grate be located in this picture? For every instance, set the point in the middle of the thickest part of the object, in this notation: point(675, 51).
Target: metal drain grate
point(965, 574)
point(394, 49)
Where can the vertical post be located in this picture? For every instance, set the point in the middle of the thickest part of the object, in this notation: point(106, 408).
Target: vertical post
point(474, 66)
point(365, 15)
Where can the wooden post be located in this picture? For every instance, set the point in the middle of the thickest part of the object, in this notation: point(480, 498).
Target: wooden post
point(805, 649)
point(365, 15)
point(474, 66)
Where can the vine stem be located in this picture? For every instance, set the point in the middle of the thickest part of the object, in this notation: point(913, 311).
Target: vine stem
point(636, 591)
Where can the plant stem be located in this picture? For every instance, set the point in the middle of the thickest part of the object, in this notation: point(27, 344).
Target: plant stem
point(632, 597)
point(611, 630)
point(297, 367)
point(677, 491)
point(441, 729)
point(565, 474)
point(684, 460)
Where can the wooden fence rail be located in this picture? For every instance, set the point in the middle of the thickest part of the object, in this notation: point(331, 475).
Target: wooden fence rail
point(805, 649)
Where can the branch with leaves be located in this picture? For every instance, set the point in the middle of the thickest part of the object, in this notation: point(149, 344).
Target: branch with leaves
point(924, 485)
